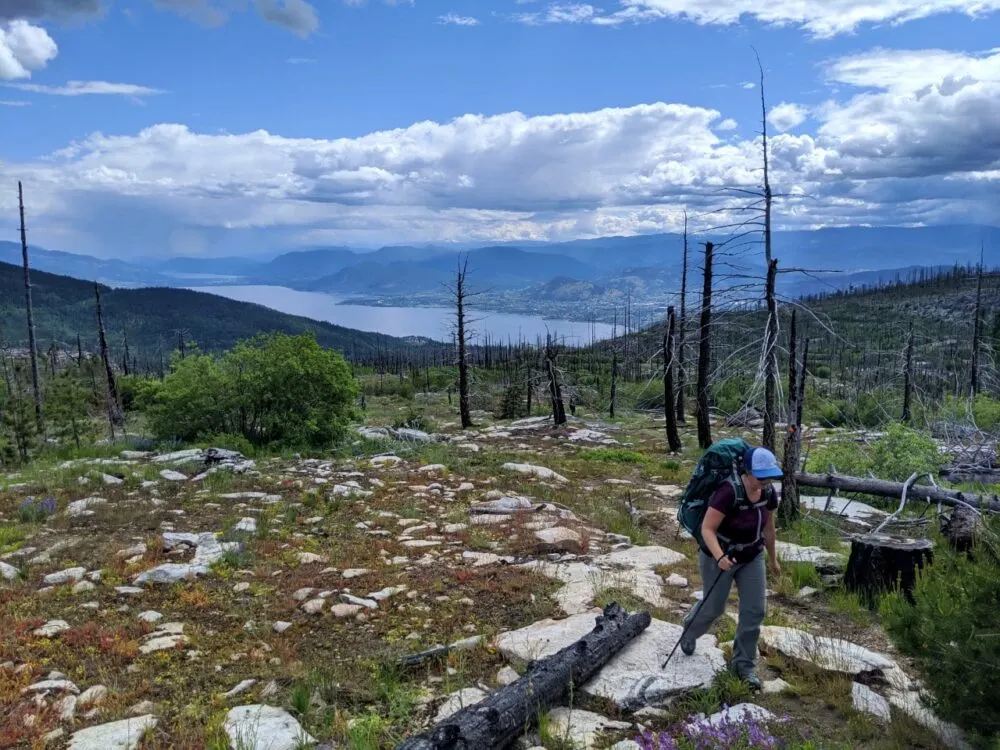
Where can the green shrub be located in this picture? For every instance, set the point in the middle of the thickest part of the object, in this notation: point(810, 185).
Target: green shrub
point(984, 410)
point(951, 634)
point(514, 402)
point(895, 456)
point(415, 419)
point(616, 455)
point(274, 389)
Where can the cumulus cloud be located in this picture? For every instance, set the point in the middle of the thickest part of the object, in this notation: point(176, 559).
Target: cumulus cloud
point(822, 18)
point(454, 19)
point(24, 48)
point(900, 148)
point(787, 115)
point(88, 88)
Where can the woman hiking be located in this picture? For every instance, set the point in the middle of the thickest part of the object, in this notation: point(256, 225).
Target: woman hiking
point(738, 526)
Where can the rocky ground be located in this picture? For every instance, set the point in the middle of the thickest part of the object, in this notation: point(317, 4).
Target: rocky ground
point(201, 600)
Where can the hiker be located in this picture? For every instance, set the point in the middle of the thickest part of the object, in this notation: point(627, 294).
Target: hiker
point(737, 526)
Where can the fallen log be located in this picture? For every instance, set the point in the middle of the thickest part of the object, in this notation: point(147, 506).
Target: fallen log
point(882, 488)
point(881, 562)
point(973, 474)
point(497, 722)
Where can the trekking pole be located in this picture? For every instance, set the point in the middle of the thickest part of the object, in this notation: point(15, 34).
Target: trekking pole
point(693, 613)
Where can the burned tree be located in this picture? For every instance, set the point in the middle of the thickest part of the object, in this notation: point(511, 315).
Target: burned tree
point(460, 294)
point(32, 347)
point(705, 354)
point(908, 378)
point(788, 510)
point(769, 437)
point(555, 389)
point(977, 329)
point(669, 402)
point(115, 418)
point(681, 360)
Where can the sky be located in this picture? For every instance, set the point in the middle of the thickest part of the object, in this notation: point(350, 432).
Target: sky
point(247, 127)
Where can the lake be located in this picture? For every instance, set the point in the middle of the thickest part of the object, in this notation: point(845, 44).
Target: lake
point(430, 322)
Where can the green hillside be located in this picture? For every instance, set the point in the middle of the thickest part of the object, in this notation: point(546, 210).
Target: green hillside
point(152, 317)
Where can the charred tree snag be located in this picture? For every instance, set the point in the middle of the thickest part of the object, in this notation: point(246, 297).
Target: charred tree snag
point(705, 354)
point(669, 405)
point(881, 562)
point(498, 721)
point(961, 528)
point(32, 346)
point(682, 333)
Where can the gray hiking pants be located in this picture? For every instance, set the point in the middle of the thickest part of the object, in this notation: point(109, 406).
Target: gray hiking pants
point(751, 583)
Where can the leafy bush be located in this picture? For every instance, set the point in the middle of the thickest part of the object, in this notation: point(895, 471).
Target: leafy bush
point(617, 455)
point(895, 456)
point(950, 632)
point(415, 419)
point(984, 411)
point(513, 403)
point(274, 389)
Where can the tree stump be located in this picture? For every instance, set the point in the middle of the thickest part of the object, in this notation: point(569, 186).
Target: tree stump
point(882, 562)
point(961, 528)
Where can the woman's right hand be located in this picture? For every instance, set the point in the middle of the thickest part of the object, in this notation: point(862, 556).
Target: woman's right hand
point(725, 563)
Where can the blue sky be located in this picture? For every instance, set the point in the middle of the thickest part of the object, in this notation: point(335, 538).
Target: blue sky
point(259, 126)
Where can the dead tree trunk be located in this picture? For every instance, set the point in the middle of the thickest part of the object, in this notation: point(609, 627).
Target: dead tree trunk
point(788, 510)
point(705, 354)
point(673, 439)
point(882, 488)
point(614, 383)
point(881, 562)
point(79, 351)
point(460, 293)
point(908, 378)
point(115, 417)
point(497, 722)
point(769, 437)
point(961, 528)
point(682, 333)
point(977, 329)
point(125, 359)
point(555, 390)
point(32, 347)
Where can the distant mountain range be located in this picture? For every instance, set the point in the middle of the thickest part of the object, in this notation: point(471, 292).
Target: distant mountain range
point(552, 277)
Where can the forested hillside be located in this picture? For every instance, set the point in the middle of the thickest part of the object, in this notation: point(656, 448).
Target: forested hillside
point(154, 318)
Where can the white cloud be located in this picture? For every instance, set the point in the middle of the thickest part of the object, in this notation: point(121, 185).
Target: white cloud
point(35, 9)
point(24, 48)
point(902, 147)
point(787, 115)
point(456, 20)
point(14, 103)
point(86, 88)
point(822, 18)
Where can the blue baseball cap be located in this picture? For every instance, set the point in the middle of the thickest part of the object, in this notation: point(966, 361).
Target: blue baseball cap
point(763, 464)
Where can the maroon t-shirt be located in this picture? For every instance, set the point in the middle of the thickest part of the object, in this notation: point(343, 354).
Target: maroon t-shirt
point(741, 527)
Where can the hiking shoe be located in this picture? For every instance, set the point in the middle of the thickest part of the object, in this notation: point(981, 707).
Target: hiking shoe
point(688, 646)
point(753, 681)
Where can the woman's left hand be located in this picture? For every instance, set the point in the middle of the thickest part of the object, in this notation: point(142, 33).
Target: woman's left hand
point(775, 567)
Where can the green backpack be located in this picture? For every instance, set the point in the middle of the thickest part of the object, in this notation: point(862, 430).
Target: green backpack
point(723, 461)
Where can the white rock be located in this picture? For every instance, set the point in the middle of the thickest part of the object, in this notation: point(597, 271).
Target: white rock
point(302, 594)
point(150, 616)
point(457, 701)
point(260, 727)
point(507, 676)
point(51, 628)
point(788, 552)
point(854, 510)
point(831, 654)
point(241, 587)
point(432, 468)
point(634, 677)
point(379, 462)
point(247, 525)
point(772, 687)
point(309, 558)
point(910, 704)
point(93, 696)
point(240, 688)
point(345, 610)
point(739, 714)
point(355, 572)
point(539, 471)
point(118, 735)
point(367, 603)
point(83, 587)
point(84, 507)
point(313, 606)
point(52, 685)
point(128, 591)
point(558, 539)
point(9, 572)
point(163, 643)
point(677, 581)
point(173, 476)
point(868, 701)
point(111, 480)
point(281, 626)
point(582, 729)
point(64, 576)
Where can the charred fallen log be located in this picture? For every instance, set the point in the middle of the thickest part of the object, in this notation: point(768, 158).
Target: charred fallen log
point(883, 488)
point(498, 721)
